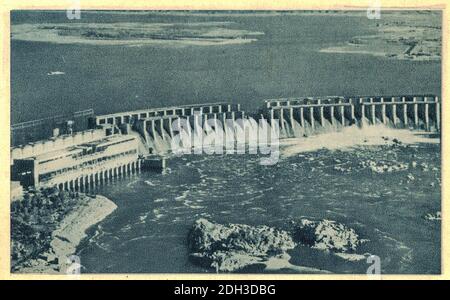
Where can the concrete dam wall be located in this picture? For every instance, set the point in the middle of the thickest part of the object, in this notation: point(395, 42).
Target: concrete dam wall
point(190, 130)
point(297, 116)
point(291, 117)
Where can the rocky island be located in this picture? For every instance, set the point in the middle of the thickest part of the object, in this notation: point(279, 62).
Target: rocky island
point(232, 247)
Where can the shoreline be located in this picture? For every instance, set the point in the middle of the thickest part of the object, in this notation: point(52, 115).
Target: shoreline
point(397, 36)
point(68, 235)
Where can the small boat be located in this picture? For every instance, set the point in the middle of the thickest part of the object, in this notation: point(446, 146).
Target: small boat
point(55, 73)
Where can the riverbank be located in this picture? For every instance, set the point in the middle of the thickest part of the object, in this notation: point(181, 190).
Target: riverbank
point(399, 35)
point(63, 241)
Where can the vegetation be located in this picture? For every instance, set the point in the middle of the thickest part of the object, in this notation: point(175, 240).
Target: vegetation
point(34, 218)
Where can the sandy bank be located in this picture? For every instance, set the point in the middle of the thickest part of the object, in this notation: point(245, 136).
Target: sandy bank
point(68, 235)
point(404, 36)
point(135, 34)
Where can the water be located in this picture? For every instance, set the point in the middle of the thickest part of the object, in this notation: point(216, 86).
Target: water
point(148, 231)
point(284, 62)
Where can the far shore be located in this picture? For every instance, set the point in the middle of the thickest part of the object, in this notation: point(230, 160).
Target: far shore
point(397, 36)
point(68, 235)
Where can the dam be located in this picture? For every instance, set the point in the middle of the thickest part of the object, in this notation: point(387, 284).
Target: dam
point(118, 144)
point(156, 125)
point(35, 130)
point(294, 117)
point(419, 112)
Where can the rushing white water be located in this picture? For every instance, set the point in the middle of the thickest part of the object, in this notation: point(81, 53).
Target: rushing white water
point(213, 136)
point(353, 136)
point(232, 135)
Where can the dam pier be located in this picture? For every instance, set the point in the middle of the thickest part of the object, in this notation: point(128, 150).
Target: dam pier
point(413, 112)
point(118, 144)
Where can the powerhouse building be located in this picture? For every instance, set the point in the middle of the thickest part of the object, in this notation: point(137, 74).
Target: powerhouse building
point(76, 165)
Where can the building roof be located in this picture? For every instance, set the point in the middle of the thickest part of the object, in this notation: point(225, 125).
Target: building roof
point(71, 150)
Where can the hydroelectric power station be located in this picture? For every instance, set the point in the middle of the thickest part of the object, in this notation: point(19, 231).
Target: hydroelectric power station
point(122, 143)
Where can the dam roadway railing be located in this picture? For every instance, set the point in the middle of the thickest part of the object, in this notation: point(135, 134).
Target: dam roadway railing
point(131, 117)
point(35, 130)
point(420, 112)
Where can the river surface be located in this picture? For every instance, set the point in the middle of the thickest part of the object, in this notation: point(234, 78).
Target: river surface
point(284, 62)
point(148, 231)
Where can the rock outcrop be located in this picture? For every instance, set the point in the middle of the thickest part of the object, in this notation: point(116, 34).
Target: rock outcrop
point(229, 248)
point(325, 235)
point(235, 246)
point(381, 167)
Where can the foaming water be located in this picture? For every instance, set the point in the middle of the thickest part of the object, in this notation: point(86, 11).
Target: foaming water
point(210, 135)
point(352, 136)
